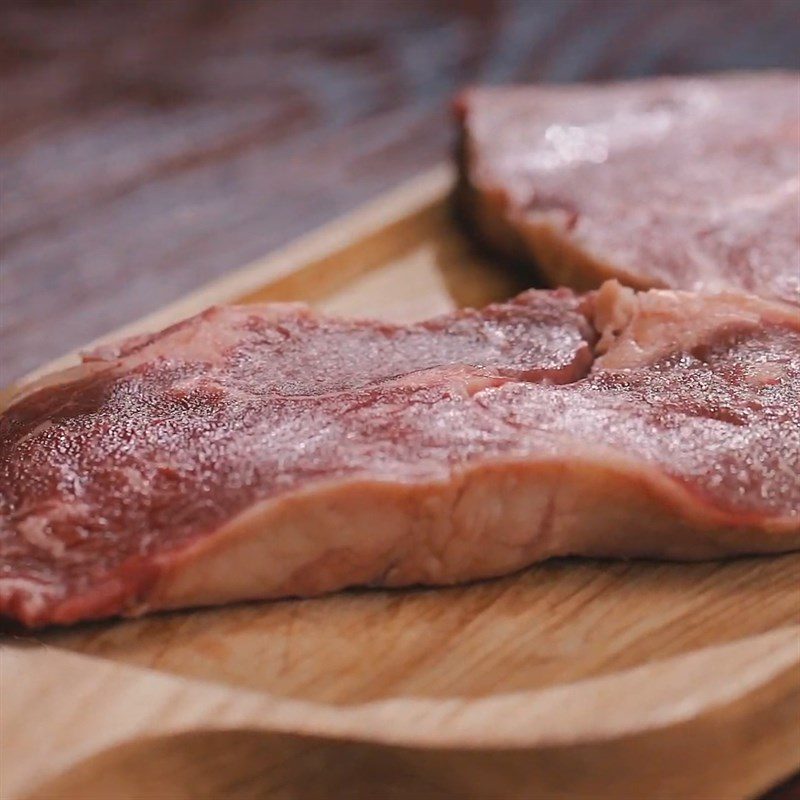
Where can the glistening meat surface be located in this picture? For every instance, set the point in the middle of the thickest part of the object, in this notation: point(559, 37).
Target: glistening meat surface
point(263, 451)
point(687, 183)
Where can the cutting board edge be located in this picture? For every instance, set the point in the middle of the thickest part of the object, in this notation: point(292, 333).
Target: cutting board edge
point(756, 677)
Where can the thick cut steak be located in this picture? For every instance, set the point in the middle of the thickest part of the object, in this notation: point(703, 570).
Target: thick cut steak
point(686, 183)
point(264, 451)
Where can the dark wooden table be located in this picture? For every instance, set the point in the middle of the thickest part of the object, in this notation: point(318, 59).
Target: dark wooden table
point(148, 146)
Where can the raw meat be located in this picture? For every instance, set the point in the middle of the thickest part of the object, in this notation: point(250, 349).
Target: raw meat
point(686, 183)
point(259, 452)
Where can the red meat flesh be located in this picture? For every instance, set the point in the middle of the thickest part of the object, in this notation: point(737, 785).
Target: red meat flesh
point(256, 452)
point(688, 183)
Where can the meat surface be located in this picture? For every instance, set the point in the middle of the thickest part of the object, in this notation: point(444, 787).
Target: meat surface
point(685, 183)
point(264, 451)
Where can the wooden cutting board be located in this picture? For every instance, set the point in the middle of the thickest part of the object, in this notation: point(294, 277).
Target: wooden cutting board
point(573, 679)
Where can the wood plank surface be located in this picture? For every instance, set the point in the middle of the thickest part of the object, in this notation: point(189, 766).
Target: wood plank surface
point(147, 147)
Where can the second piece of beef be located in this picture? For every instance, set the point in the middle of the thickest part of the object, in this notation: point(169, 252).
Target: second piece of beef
point(686, 183)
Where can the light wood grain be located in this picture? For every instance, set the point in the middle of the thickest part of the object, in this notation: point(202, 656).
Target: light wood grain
point(721, 722)
point(557, 622)
point(573, 679)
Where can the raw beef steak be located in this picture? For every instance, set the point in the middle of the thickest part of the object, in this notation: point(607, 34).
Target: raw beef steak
point(687, 183)
point(264, 451)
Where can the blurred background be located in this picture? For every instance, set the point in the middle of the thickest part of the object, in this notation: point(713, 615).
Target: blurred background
point(148, 146)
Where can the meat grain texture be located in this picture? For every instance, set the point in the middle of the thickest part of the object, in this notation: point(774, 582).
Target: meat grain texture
point(265, 451)
point(684, 183)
